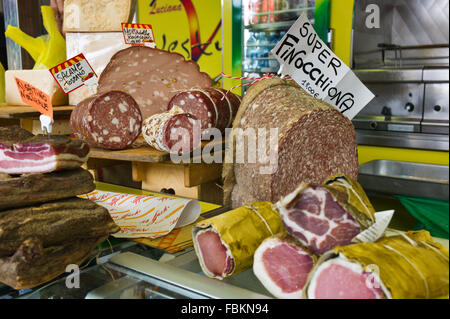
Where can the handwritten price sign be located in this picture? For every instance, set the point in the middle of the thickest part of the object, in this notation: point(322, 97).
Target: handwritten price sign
point(35, 98)
point(138, 34)
point(74, 73)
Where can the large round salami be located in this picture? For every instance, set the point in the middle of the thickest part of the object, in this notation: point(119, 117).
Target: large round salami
point(212, 106)
point(151, 76)
point(314, 142)
point(173, 131)
point(110, 120)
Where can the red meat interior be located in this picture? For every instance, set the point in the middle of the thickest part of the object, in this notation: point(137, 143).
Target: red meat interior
point(287, 266)
point(339, 282)
point(214, 253)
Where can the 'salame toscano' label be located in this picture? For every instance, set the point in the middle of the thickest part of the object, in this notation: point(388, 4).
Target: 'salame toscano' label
point(311, 63)
point(138, 34)
point(74, 73)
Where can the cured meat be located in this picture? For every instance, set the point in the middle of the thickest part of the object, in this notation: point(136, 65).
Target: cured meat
point(225, 244)
point(323, 217)
point(215, 255)
point(174, 131)
point(151, 76)
point(314, 141)
point(341, 279)
point(110, 120)
point(41, 154)
point(282, 265)
point(33, 265)
point(212, 106)
point(11, 135)
point(30, 189)
point(53, 223)
point(405, 266)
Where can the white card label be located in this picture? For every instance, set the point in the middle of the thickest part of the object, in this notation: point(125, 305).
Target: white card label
point(311, 63)
point(377, 230)
point(138, 34)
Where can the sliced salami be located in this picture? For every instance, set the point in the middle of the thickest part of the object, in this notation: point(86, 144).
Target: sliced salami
point(282, 265)
point(151, 76)
point(110, 120)
point(314, 140)
point(173, 131)
point(212, 106)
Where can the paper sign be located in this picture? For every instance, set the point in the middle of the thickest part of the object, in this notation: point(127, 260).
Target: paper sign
point(311, 63)
point(138, 34)
point(74, 73)
point(377, 230)
point(34, 97)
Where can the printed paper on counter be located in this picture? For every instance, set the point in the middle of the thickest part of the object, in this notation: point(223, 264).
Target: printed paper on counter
point(74, 73)
point(140, 216)
point(311, 63)
point(138, 34)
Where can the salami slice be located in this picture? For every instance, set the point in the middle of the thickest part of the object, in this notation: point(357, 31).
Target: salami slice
point(282, 265)
point(173, 131)
point(314, 140)
point(151, 76)
point(212, 106)
point(110, 120)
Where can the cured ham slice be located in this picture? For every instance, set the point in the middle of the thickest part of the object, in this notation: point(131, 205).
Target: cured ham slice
point(282, 265)
point(324, 216)
point(341, 279)
point(42, 154)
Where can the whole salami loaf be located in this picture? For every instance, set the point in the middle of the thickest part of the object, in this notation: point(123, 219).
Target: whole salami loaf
point(313, 141)
point(110, 120)
point(151, 76)
point(212, 106)
point(174, 131)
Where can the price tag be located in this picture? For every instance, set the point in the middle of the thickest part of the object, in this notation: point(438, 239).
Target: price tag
point(74, 73)
point(310, 62)
point(35, 98)
point(138, 34)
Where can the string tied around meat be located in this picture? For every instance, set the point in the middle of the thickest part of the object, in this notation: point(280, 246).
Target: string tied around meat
point(252, 81)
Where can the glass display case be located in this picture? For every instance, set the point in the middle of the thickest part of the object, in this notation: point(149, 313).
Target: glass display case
point(264, 23)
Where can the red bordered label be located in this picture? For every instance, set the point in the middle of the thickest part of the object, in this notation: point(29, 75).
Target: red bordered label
point(74, 73)
point(138, 34)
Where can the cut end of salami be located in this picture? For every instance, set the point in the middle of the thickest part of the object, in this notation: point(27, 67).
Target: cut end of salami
point(151, 76)
point(213, 107)
point(110, 120)
point(282, 266)
point(214, 255)
point(42, 154)
point(316, 219)
point(339, 278)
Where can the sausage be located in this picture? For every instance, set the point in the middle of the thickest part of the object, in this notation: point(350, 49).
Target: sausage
point(212, 106)
point(315, 141)
point(110, 120)
point(151, 76)
point(173, 131)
